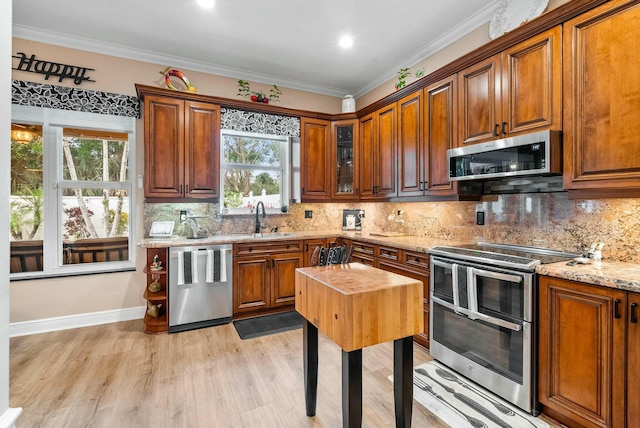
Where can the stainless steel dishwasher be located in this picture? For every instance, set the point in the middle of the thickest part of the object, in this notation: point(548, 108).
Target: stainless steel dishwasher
point(200, 286)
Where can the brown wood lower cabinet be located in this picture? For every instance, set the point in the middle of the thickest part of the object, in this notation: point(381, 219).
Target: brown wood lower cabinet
point(264, 276)
point(589, 361)
point(311, 244)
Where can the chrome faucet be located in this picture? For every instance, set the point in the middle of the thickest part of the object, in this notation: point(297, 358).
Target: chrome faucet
point(195, 228)
point(264, 215)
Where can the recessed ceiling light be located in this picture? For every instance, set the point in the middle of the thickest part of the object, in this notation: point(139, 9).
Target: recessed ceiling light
point(206, 4)
point(346, 41)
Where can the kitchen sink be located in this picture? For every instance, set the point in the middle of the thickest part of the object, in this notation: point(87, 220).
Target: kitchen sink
point(265, 235)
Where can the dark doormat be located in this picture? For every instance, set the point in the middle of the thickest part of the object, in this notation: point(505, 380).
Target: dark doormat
point(251, 328)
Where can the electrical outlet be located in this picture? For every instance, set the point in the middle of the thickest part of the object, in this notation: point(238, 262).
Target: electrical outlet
point(480, 218)
point(308, 214)
point(183, 216)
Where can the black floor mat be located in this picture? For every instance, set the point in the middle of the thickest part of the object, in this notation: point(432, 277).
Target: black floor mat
point(268, 324)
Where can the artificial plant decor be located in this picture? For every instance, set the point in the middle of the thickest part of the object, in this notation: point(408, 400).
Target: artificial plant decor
point(244, 90)
point(404, 73)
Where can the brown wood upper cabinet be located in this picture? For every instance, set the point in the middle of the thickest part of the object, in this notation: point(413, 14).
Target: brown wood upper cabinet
point(182, 148)
point(588, 361)
point(329, 159)
point(427, 128)
point(411, 147)
point(601, 114)
point(315, 137)
point(440, 134)
point(344, 159)
point(377, 155)
point(516, 91)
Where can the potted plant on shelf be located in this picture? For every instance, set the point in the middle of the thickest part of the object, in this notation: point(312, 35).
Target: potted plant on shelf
point(244, 90)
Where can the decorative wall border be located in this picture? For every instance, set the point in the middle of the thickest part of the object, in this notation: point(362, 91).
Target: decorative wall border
point(261, 123)
point(75, 99)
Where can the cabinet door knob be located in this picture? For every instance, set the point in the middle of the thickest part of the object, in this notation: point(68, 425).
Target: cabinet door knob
point(634, 313)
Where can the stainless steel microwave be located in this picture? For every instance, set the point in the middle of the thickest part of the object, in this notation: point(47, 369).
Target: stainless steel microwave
point(538, 153)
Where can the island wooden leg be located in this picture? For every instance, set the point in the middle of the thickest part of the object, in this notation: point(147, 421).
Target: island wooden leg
point(403, 380)
point(310, 353)
point(352, 389)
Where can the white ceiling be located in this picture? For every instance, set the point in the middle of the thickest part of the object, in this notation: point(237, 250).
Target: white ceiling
point(292, 43)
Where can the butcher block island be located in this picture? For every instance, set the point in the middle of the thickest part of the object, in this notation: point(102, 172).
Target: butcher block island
point(358, 306)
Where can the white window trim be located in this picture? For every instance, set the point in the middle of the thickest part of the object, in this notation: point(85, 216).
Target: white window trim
point(53, 120)
point(285, 170)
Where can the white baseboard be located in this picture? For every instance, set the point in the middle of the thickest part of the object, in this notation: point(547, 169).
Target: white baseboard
point(45, 325)
point(8, 418)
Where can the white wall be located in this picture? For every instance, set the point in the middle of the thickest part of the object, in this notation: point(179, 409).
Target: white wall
point(7, 416)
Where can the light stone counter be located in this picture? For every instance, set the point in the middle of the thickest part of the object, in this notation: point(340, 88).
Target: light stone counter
point(412, 243)
point(624, 276)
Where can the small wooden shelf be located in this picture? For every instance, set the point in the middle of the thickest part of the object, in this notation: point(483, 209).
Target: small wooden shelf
point(155, 297)
point(156, 325)
point(159, 324)
point(156, 272)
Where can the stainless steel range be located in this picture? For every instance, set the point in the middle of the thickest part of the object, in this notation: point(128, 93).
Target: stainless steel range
point(483, 321)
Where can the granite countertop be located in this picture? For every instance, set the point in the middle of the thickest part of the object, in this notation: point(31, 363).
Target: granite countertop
point(412, 243)
point(624, 276)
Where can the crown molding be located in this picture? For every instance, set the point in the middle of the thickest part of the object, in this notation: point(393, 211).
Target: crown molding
point(456, 33)
point(53, 38)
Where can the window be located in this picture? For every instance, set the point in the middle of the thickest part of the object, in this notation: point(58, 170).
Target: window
point(254, 168)
point(71, 192)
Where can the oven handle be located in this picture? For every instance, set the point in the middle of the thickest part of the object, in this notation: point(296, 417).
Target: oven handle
point(496, 275)
point(454, 285)
point(477, 315)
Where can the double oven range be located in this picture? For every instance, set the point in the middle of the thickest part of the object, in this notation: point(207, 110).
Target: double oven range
point(483, 315)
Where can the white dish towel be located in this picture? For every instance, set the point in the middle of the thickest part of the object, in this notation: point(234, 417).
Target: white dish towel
point(180, 268)
point(223, 265)
point(211, 266)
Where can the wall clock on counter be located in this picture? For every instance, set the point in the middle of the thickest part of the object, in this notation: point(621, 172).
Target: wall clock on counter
point(511, 14)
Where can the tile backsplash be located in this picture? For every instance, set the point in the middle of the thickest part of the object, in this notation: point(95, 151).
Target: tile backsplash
point(539, 219)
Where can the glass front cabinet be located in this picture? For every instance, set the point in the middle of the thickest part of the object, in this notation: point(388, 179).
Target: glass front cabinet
point(344, 159)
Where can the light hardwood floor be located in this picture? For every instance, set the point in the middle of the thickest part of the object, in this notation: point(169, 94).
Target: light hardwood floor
point(115, 375)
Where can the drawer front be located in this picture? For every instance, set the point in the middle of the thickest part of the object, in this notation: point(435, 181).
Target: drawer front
point(362, 248)
point(388, 253)
point(271, 247)
point(415, 259)
point(361, 258)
